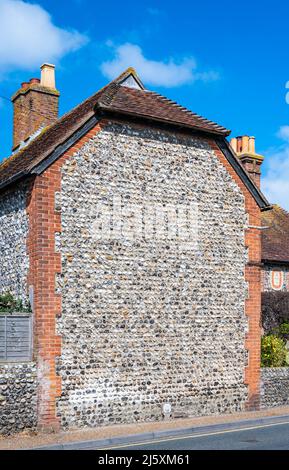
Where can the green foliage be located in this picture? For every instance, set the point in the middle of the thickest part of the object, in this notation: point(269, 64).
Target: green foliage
point(283, 330)
point(273, 351)
point(8, 304)
point(275, 322)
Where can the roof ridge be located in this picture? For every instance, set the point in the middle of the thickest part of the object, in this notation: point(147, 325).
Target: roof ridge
point(115, 98)
point(188, 111)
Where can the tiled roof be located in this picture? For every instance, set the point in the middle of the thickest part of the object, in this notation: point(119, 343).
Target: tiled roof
point(24, 160)
point(275, 238)
point(114, 98)
point(151, 105)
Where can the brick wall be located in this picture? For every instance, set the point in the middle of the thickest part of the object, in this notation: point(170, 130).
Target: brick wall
point(253, 278)
point(44, 264)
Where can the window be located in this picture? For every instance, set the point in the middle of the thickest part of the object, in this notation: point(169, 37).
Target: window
point(15, 338)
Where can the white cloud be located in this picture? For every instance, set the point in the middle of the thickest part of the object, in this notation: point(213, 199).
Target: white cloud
point(275, 183)
point(28, 36)
point(166, 73)
point(283, 133)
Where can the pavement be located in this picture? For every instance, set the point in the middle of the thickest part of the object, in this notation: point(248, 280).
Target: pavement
point(269, 428)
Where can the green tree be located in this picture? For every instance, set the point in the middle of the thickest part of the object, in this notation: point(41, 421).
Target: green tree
point(273, 351)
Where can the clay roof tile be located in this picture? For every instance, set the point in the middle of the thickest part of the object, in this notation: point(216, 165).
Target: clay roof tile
point(275, 235)
point(115, 97)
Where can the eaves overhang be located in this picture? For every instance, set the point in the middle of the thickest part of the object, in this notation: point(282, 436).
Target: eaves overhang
point(102, 112)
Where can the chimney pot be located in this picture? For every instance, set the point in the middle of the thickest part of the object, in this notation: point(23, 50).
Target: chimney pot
point(252, 161)
point(239, 144)
point(48, 76)
point(252, 144)
point(35, 107)
point(245, 143)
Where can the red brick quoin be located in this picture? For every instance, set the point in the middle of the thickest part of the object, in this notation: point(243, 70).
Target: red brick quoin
point(45, 264)
point(253, 279)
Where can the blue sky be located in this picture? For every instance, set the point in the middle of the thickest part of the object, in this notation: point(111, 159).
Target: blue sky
point(227, 61)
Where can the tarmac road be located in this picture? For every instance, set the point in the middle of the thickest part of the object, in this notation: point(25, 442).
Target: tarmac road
point(263, 437)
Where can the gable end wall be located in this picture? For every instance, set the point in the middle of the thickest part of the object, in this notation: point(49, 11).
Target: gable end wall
point(87, 384)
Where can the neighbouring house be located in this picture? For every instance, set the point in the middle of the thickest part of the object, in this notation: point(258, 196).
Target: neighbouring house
point(133, 229)
point(275, 223)
point(275, 276)
point(275, 249)
point(275, 233)
point(274, 279)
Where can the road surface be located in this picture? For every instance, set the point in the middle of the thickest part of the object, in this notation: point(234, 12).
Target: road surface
point(263, 437)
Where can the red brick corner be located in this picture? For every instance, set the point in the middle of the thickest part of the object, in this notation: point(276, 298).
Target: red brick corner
point(253, 279)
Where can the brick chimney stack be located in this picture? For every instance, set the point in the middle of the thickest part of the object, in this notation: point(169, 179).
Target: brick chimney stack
point(244, 147)
point(35, 105)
